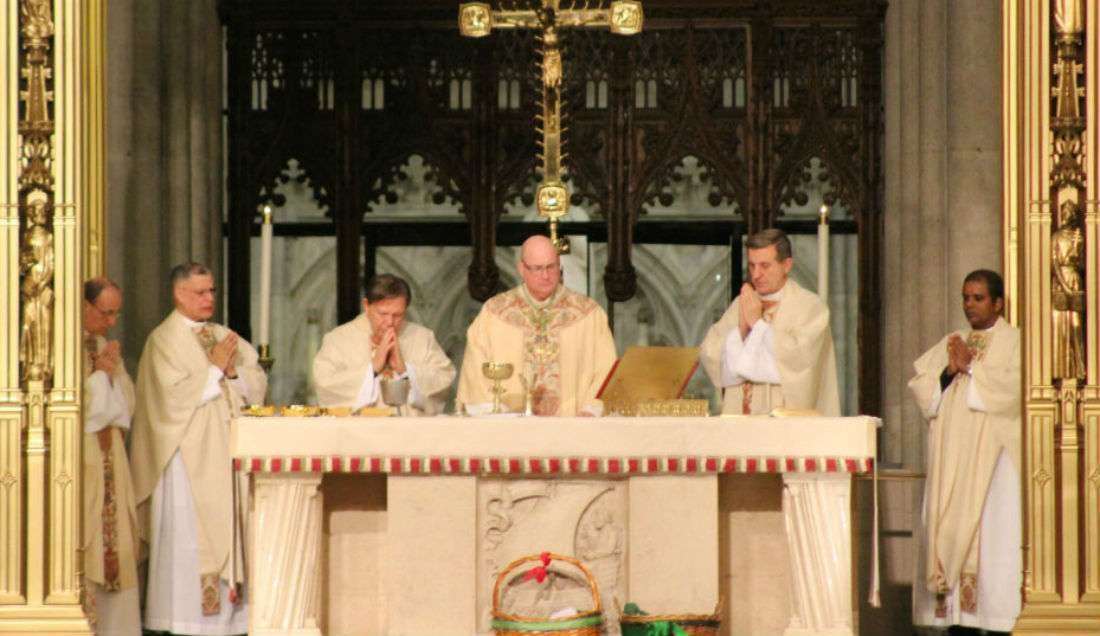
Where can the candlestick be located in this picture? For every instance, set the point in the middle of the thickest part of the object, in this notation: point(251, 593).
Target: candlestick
point(265, 278)
point(823, 254)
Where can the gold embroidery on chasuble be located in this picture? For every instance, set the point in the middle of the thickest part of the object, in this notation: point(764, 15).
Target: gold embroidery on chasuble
point(206, 338)
point(542, 327)
point(110, 526)
point(768, 315)
point(211, 602)
point(208, 583)
point(978, 342)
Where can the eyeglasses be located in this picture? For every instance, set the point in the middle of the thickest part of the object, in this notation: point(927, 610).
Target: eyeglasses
point(109, 313)
point(542, 269)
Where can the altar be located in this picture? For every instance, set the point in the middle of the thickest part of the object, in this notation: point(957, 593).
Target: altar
point(445, 502)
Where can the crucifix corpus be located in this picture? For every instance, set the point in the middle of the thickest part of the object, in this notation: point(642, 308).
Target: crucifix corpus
point(478, 19)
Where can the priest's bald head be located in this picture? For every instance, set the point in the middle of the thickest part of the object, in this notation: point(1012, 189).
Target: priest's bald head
point(102, 305)
point(540, 266)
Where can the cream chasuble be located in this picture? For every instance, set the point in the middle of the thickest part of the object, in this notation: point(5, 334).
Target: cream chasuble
point(972, 518)
point(111, 545)
point(181, 462)
point(787, 360)
point(562, 344)
point(344, 376)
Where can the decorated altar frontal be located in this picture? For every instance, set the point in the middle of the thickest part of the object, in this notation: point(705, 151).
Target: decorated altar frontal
point(400, 525)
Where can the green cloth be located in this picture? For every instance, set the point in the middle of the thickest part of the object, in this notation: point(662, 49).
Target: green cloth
point(654, 628)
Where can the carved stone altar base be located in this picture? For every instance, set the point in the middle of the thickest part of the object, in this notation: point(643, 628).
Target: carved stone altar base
point(635, 498)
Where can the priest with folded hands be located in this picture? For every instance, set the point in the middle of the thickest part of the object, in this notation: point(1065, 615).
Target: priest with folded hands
point(379, 343)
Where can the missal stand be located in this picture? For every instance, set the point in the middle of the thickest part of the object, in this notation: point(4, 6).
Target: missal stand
point(648, 381)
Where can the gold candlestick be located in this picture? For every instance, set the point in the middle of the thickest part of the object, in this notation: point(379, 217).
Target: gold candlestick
point(266, 361)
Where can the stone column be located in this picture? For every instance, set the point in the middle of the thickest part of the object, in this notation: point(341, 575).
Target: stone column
point(943, 186)
point(284, 582)
point(164, 152)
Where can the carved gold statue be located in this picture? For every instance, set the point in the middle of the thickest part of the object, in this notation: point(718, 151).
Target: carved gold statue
point(478, 19)
point(36, 266)
point(36, 19)
point(1067, 261)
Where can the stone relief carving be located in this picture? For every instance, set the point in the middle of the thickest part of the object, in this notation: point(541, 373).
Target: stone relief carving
point(586, 519)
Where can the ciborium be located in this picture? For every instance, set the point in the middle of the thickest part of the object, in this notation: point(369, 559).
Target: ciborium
point(395, 392)
point(498, 372)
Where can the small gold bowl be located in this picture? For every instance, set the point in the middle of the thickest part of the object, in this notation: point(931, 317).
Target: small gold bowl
point(301, 410)
point(336, 411)
point(258, 410)
point(496, 370)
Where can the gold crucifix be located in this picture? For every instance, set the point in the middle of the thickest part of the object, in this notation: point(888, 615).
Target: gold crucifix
point(478, 19)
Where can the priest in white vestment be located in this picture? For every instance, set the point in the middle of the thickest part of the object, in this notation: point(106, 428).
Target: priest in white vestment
point(193, 377)
point(773, 347)
point(558, 342)
point(968, 386)
point(111, 544)
point(378, 343)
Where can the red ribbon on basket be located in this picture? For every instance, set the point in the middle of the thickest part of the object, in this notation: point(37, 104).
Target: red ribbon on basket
point(539, 572)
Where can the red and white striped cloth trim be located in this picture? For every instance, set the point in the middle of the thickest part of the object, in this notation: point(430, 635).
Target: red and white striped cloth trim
point(437, 465)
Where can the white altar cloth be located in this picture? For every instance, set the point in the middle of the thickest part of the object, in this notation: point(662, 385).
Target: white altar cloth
point(434, 467)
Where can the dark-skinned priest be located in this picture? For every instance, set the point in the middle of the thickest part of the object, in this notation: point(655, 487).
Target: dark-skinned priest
point(968, 387)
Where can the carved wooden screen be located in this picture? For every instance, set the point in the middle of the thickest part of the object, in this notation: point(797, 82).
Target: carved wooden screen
point(769, 99)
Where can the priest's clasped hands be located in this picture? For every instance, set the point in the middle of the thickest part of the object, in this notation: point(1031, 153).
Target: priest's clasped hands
point(223, 354)
point(752, 308)
point(959, 355)
point(107, 359)
point(387, 353)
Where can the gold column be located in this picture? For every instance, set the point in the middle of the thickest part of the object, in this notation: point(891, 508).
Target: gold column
point(94, 98)
point(1090, 410)
point(11, 394)
point(52, 161)
point(1050, 176)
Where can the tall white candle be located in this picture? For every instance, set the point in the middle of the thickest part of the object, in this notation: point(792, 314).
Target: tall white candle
point(823, 254)
point(265, 278)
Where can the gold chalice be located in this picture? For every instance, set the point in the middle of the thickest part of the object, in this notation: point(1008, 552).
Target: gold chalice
point(498, 372)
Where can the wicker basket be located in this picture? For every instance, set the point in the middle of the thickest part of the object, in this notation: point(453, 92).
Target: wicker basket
point(692, 624)
point(586, 623)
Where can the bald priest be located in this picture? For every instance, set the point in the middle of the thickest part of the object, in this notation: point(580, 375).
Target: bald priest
point(558, 341)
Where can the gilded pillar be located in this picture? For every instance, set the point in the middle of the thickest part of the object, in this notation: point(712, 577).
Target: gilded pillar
point(51, 160)
point(1050, 172)
point(11, 394)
